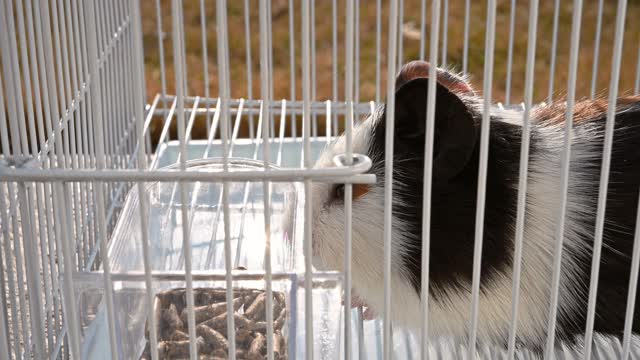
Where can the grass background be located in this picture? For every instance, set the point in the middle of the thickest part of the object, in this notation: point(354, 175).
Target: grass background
point(411, 46)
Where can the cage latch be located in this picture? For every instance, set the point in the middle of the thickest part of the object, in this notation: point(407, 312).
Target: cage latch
point(357, 159)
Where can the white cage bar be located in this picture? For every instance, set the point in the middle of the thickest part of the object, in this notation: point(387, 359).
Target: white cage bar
point(103, 104)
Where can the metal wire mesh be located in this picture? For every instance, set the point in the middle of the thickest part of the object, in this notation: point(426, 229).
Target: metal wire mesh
point(80, 155)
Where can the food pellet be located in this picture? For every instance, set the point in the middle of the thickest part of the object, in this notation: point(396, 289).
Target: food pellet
point(279, 322)
point(244, 335)
point(278, 345)
point(170, 316)
point(214, 339)
point(177, 349)
point(205, 312)
point(256, 310)
point(256, 347)
point(220, 322)
point(210, 313)
point(178, 335)
point(260, 326)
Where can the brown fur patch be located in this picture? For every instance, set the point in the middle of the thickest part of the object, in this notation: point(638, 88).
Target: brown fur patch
point(360, 190)
point(420, 69)
point(583, 111)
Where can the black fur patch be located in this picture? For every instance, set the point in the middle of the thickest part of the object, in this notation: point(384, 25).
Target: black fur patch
point(618, 233)
point(454, 210)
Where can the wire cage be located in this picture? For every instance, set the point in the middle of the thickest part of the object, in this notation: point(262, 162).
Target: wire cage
point(114, 196)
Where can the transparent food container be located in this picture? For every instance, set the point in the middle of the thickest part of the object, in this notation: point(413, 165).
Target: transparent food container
point(204, 202)
point(206, 233)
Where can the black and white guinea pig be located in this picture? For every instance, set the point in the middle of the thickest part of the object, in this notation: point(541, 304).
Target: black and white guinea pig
point(455, 171)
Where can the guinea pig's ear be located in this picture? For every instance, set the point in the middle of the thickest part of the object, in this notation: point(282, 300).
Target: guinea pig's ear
point(420, 69)
point(456, 131)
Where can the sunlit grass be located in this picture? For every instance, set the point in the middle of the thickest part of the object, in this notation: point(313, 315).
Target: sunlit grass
point(367, 60)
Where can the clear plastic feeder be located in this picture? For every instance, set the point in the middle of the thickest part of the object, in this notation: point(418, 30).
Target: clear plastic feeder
point(207, 236)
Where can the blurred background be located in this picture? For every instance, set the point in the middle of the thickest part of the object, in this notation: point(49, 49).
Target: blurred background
point(453, 17)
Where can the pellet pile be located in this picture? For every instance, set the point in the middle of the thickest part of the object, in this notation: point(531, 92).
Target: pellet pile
point(210, 307)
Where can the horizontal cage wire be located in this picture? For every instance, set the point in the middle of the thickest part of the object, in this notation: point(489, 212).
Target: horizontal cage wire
point(163, 161)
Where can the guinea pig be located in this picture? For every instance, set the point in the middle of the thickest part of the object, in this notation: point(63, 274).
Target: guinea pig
point(458, 115)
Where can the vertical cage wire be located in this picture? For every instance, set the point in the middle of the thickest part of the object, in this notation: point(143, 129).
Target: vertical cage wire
point(31, 272)
point(554, 48)
point(522, 177)
point(465, 46)
point(179, 54)
point(69, 308)
point(180, 39)
point(482, 175)
point(135, 41)
point(266, 72)
point(351, 85)
point(106, 83)
point(379, 45)
point(596, 50)
point(9, 274)
point(5, 214)
point(164, 135)
point(306, 123)
point(138, 80)
point(19, 136)
point(87, 134)
point(160, 35)
point(334, 64)
point(205, 59)
point(76, 143)
point(388, 174)
point(61, 191)
point(223, 73)
point(423, 24)
point(604, 175)
point(4, 329)
point(428, 179)
point(17, 148)
point(633, 288)
point(272, 123)
point(564, 187)
point(83, 69)
point(356, 75)
point(328, 120)
point(636, 87)
point(48, 152)
point(97, 107)
point(121, 105)
point(234, 135)
point(512, 23)
point(445, 32)
point(246, 191)
point(292, 66)
point(247, 29)
point(314, 85)
point(216, 123)
point(400, 32)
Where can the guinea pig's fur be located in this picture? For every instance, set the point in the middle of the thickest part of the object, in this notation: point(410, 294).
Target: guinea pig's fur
point(455, 171)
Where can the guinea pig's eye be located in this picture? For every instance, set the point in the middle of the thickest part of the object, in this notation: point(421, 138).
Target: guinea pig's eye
point(338, 191)
point(359, 190)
